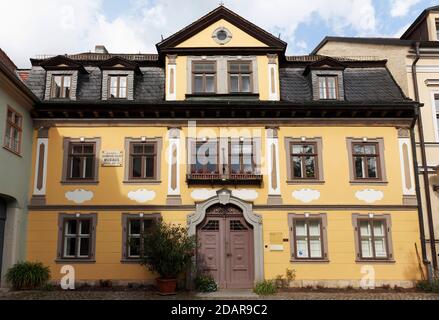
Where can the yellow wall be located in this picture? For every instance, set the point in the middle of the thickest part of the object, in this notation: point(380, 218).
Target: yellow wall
point(43, 233)
point(204, 37)
point(335, 190)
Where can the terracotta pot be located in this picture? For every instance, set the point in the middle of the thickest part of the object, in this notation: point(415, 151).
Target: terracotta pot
point(166, 286)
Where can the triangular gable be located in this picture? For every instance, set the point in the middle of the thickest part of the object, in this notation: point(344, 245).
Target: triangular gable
point(62, 63)
point(118, 63)
point(218, 14)
point(325, 63)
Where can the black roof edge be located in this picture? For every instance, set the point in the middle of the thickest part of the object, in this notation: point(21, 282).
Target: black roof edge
point(418, 20)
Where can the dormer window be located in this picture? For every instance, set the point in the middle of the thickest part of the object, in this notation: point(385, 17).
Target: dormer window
point(117, 87)
point(328, 87)
point(61, 86)
point(204, 77)
point(240, 74)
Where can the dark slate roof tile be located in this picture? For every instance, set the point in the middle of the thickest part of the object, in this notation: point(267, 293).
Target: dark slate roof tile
point(36, 81)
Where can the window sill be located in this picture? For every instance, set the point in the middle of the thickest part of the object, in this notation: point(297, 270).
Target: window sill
point(75, 261)
point(377, 182)
point(85, 182)
point(304, 181)
point(131, 261)
point(142, 181)
point(12, 151)
point(309, 261)
point(375, 261)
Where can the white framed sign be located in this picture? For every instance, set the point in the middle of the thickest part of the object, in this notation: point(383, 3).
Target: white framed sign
point(111, 158)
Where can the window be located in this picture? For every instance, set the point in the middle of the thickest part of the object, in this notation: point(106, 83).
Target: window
point(304, 160)
point(241, 157)
point(117, 87)
point(81, 161)
point(436, 107)
point(14, 122)
point(143, 159)
point(61, 86)
point(203, 77)
point(328, 87)
point(373, 237)
point(437, 29)
point(240, 77)
point(308, 237)
point(77, 237)
point(205, 157)
point(135, 227)
point(366, 160)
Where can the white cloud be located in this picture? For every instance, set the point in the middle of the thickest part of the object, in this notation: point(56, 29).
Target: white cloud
point(401, 8)
point(31, 27)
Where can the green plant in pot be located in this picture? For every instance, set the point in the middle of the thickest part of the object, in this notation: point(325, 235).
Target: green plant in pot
point(168, 251)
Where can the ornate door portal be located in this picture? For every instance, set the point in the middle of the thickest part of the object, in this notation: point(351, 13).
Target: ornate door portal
point(225, 247)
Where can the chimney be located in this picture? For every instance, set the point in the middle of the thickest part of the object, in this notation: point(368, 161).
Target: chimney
point(100, 49)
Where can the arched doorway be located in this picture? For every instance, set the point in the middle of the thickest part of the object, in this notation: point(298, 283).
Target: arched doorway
point(225, 247)
point(247, 218)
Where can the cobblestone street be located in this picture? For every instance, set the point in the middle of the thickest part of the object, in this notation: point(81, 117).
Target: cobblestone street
point(148, 295)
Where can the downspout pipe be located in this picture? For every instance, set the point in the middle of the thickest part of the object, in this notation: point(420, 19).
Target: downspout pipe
point(424, 165)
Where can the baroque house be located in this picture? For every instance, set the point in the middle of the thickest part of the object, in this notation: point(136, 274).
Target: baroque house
point(274, 162)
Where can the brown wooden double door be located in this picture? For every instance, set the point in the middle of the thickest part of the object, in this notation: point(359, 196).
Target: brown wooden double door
point(225, 247)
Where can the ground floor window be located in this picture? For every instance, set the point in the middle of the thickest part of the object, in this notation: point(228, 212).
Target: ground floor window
point(373, 237)
point(308, 237)
point(77, 233)
point(134, 228)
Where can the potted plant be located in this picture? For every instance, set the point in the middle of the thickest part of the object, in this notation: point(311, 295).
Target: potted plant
point(168, 251)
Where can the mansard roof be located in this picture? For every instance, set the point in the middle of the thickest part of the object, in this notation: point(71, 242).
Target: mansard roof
point(221, 13)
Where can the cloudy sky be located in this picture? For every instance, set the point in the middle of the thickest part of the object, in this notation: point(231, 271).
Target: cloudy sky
point(29, 28)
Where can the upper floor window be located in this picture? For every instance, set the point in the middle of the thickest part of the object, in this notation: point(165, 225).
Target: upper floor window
point(328, 87)
point(241, 157)
point(240, 77)
point(206, 157)
point(81, 161)
point(143, 160)
point(117, 87)
point(204, 77)
point(366, 159)
point(437, 29)
point(304, 160)
point(14, 122)
point(61, 86)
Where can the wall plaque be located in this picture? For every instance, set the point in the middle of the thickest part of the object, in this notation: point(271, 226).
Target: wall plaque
point(111, 158)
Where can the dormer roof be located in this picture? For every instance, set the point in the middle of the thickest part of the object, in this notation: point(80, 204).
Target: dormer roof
point(61, 62)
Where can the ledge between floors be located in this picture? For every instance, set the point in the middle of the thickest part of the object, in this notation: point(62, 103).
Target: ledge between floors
point(258, 207)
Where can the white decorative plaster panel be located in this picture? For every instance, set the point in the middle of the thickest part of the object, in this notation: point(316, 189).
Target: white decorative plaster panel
point(79, 195)
point(203, 194)
point(245, 194)
point(369, 195)
point(141, 195)
point(306, 195)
